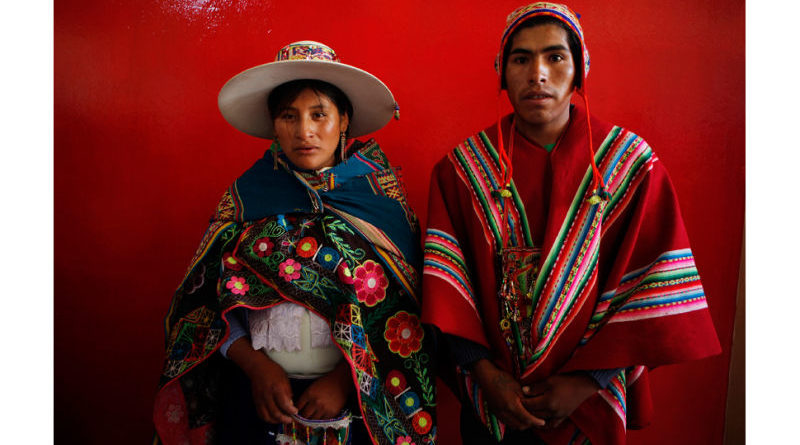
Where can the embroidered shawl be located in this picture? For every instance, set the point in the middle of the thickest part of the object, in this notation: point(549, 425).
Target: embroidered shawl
point(612, 285)
point(342, 243)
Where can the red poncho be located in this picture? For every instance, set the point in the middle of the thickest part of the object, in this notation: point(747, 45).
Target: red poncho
point(584, 285)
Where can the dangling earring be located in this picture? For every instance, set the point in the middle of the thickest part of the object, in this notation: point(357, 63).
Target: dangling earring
point(342, 147)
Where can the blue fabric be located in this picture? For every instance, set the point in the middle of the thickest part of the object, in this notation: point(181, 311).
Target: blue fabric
point(238, 320)
point(465, 352)
point(264, 191)
point(604, 376)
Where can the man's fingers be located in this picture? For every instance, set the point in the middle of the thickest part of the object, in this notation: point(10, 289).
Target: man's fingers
point(524, 417)
point(536, 404)
point(535, 389)
point(510, 420)
point(542, 407)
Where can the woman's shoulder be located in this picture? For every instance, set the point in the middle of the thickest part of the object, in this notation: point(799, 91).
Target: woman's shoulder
point(371, 152)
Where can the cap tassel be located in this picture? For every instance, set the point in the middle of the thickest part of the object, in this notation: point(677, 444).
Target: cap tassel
point(396, 112)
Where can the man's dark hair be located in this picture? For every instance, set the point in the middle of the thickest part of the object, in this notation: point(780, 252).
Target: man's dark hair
point(284, 94)
point(572, 40)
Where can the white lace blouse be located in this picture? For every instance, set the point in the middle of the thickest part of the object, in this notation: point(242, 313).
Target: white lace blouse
point(291, 335)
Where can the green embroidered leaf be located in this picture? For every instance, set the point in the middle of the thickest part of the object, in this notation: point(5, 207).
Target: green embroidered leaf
point(273, 230)
point(274, 260)
point(336, 225)
point(257, 287)
point(416, 363)
point(310, 283)
point(380, 314)
point(331, 226)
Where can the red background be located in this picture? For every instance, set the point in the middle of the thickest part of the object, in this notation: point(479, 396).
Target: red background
point(142, 155)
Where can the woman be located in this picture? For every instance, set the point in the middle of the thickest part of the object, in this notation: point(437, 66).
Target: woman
point(306, 280)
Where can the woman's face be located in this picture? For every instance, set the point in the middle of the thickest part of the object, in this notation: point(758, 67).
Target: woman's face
point(308, 130)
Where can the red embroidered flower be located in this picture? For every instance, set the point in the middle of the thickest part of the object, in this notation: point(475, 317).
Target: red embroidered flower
point(404, 333)
point(263, 247)
point(237, 285)
point(289, 270)
point(307, 247)
point(422, 422)
point(404, 440)
point(370, 283)
point(345, 275)
point(230, 262)
point(395, 382)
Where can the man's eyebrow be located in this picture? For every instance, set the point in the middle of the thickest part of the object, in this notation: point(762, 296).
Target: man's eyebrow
point(552, 48)
point(521, 51)
point(547, 49)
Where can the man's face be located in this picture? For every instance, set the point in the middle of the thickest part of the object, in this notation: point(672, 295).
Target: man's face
point(539, 76)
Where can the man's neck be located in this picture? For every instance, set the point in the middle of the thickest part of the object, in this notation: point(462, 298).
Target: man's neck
point(544, 134)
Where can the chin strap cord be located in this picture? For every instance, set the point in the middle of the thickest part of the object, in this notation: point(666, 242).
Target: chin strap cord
point(598, 184)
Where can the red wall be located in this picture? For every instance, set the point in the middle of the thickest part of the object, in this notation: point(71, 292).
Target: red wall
point(142, 155)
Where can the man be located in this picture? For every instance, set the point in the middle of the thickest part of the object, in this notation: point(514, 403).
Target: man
point(556, 260)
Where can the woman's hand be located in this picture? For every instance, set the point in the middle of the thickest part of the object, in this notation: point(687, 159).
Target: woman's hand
point(504, 396)
point(272, 393)
point(556, 397)
point(326, 397)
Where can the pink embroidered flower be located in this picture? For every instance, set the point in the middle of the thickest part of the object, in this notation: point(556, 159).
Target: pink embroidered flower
point(289, 270)
point(404, 333)
point(230, 262)
point(370, 283)
point(307, 247)
point(422, 422)
point(237, 285)
point(404, 440)
point(345, 275)
point(263, 247)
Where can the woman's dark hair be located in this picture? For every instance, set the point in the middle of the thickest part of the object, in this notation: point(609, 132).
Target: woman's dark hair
point(284, 94)
point(572, 40)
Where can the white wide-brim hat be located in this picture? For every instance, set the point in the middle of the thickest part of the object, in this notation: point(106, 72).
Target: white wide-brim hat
point(243, 99)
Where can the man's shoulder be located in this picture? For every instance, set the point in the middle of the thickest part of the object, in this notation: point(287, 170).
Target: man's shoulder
point(615, 138)
point(622, 152)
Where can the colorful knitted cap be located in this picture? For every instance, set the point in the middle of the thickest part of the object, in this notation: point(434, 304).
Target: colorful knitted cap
point(543, 9)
